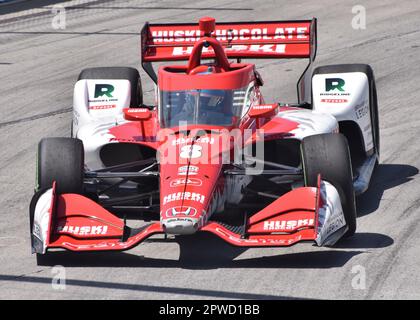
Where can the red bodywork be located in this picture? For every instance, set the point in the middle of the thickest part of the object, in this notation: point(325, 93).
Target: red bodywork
point(189, 185)
point(83, 225)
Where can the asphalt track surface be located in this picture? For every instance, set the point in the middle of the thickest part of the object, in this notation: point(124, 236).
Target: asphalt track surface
point(38, 67)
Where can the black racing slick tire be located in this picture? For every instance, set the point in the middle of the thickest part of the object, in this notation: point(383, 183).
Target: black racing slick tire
point(329, 155)
point(61, 160)
point(118, 73)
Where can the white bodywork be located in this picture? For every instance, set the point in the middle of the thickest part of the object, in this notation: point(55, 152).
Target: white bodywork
point(310, 122)
point(93, 115)
point(92, 105)
point(331, 220)
point(351, 103)
point(42, 219)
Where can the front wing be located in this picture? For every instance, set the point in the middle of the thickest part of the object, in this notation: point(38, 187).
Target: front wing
point(77, 223)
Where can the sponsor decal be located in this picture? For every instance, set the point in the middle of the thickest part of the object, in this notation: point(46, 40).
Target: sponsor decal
point(102, 100)
point(172, 220)
point(184, 211)
point(334, 87)
point(362, 110)
point(189, 196)
point(336, 94)
point(37, 231)
point(137, 110)
point(260, 48)
point(334, 100)
point(179, 141)
point(84, 230)
point(183, 181)
point(104, 90)
point(332, 84)
point(103, 107)
point(192, 170)
point(263, 107)
point(231, 34)
point(287, 224)
point(332, 226)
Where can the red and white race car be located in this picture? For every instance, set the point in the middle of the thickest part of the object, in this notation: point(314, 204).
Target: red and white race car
point(211, 155)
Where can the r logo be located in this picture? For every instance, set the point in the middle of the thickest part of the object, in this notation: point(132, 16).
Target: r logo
point(104, 89)
point(334, 83)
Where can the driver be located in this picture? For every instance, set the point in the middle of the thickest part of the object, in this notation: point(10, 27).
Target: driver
point(212, 100)
point(213, 105)
point(210, 109)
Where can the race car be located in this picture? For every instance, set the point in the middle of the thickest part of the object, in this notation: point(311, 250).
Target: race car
point(211, 155)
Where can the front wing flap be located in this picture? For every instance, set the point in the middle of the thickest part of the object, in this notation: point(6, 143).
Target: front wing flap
point(303, 214)
point(77, 223)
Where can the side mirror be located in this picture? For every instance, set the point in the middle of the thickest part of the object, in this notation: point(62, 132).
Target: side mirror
point(137, 114)
point(263, 111)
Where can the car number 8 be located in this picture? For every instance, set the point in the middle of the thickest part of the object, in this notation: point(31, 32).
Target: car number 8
point(191, 151)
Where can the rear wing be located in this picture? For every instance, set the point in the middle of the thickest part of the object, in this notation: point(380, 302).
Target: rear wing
point(254, 40)
point(269, 39)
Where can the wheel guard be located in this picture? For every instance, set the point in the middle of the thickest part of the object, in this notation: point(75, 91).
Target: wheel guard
point(77, 223)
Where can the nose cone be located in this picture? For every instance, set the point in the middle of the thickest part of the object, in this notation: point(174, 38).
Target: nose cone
point(180, 227)
point(189, 181)
point(185, 200)
point(181, 220)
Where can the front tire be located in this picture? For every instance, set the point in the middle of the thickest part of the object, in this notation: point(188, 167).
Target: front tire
point(61, 160)
point(329, 155)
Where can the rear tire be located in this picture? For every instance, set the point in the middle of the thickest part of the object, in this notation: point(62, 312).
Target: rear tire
point(118, 73)
point(61, 160)
point(329, 155)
